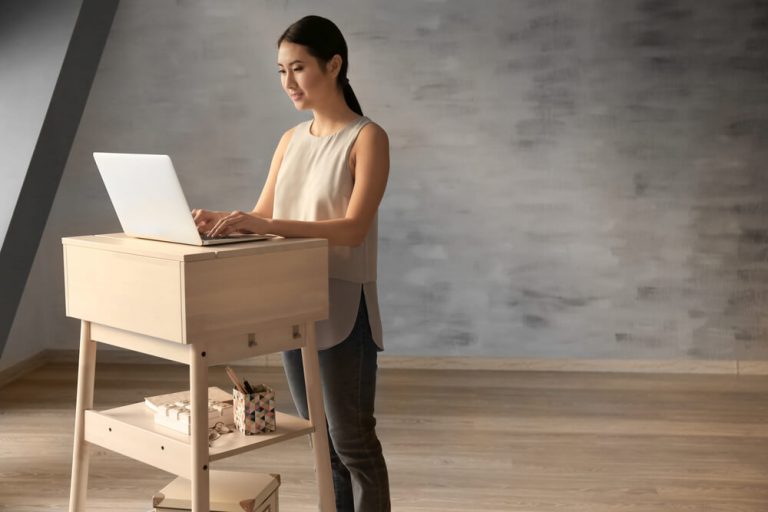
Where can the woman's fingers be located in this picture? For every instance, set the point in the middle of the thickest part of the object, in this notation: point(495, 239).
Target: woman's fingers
point(202, 219)
point(225, 224)
point(203, 227)
point(207, 220)
point(196, 218)
point(202, 216)
point(216, 227)
point(221, 224)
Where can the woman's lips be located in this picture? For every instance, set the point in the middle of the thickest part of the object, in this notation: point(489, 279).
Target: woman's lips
point(295, 97)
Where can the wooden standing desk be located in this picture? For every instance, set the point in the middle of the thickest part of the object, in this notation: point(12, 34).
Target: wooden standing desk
point(200, 306)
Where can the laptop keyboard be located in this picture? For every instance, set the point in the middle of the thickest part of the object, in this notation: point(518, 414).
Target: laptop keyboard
point(231, 235)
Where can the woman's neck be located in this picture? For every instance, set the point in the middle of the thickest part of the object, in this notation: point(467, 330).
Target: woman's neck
point(332, 118)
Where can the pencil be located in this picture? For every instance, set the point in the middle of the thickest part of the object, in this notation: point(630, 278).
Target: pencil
point(233, 377)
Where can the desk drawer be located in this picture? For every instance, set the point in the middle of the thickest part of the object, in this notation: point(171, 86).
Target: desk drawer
point(230, 348)
point(237, 294)
point(125, 291)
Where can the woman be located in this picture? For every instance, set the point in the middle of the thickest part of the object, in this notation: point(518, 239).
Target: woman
point(326, 180)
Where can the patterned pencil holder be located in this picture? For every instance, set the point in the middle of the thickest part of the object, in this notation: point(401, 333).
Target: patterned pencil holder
point(255, 413)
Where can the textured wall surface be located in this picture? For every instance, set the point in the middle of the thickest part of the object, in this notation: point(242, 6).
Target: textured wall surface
point(33, 40)
point(577, 179)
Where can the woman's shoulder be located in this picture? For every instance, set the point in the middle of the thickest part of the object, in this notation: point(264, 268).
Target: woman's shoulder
point(372, 139)
point(285, 140)
point(288, 134)
point(293, 129)
point(372, 131)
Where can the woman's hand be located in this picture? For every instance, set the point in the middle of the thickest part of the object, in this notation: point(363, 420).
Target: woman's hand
point(206, 219)
point(239, 222)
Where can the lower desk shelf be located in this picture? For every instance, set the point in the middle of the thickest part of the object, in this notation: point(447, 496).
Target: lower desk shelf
point(131, 431)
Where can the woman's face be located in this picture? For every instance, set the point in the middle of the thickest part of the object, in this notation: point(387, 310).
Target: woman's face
point(302, 77)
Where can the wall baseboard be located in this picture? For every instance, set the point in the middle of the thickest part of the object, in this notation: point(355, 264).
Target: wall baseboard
point(711, 367)
point(753, 367)
point(561, 365)
point(24, 367)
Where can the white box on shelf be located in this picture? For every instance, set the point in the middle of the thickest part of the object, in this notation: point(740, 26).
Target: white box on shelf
point(230, 491)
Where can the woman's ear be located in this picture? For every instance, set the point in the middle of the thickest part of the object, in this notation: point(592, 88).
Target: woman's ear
point(335, 65)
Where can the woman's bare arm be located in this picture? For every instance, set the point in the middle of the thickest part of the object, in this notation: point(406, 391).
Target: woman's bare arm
point(266, 200)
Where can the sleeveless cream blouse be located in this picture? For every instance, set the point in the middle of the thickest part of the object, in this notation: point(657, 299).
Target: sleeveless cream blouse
point(315, 183)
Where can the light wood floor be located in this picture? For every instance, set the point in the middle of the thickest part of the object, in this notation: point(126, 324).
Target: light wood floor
point(454, 440)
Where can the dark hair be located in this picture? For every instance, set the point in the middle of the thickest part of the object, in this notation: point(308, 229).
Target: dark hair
point(323, 40)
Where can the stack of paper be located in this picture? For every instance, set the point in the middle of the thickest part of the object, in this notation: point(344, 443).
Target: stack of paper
point(173, 410)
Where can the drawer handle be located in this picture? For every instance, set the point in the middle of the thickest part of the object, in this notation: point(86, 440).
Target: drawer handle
point(252, 339)
point(296, 332)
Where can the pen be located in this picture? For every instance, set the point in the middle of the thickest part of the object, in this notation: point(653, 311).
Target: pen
point(248, 387)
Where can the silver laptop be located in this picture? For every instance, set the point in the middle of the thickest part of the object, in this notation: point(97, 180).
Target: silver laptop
point(149, 202)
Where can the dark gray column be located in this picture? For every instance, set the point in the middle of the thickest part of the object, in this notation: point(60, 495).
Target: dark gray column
point(56, 134)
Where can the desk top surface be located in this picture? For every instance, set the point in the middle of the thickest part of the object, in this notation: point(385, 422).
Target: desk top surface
point(119, 242)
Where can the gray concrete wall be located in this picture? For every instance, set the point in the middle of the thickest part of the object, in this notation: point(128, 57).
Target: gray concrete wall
point(570, 179)
point(33, 40)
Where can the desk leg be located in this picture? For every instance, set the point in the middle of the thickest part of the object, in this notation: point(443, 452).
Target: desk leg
point(198, 379)
point(81, 450)
point(317, 417)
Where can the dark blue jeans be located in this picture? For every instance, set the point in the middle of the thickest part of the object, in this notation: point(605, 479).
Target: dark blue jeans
point(348, 376)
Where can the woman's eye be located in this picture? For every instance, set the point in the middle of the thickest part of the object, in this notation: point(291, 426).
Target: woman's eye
point(297, 69)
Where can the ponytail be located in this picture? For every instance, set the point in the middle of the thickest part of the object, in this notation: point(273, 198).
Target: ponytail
point(350, 98)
